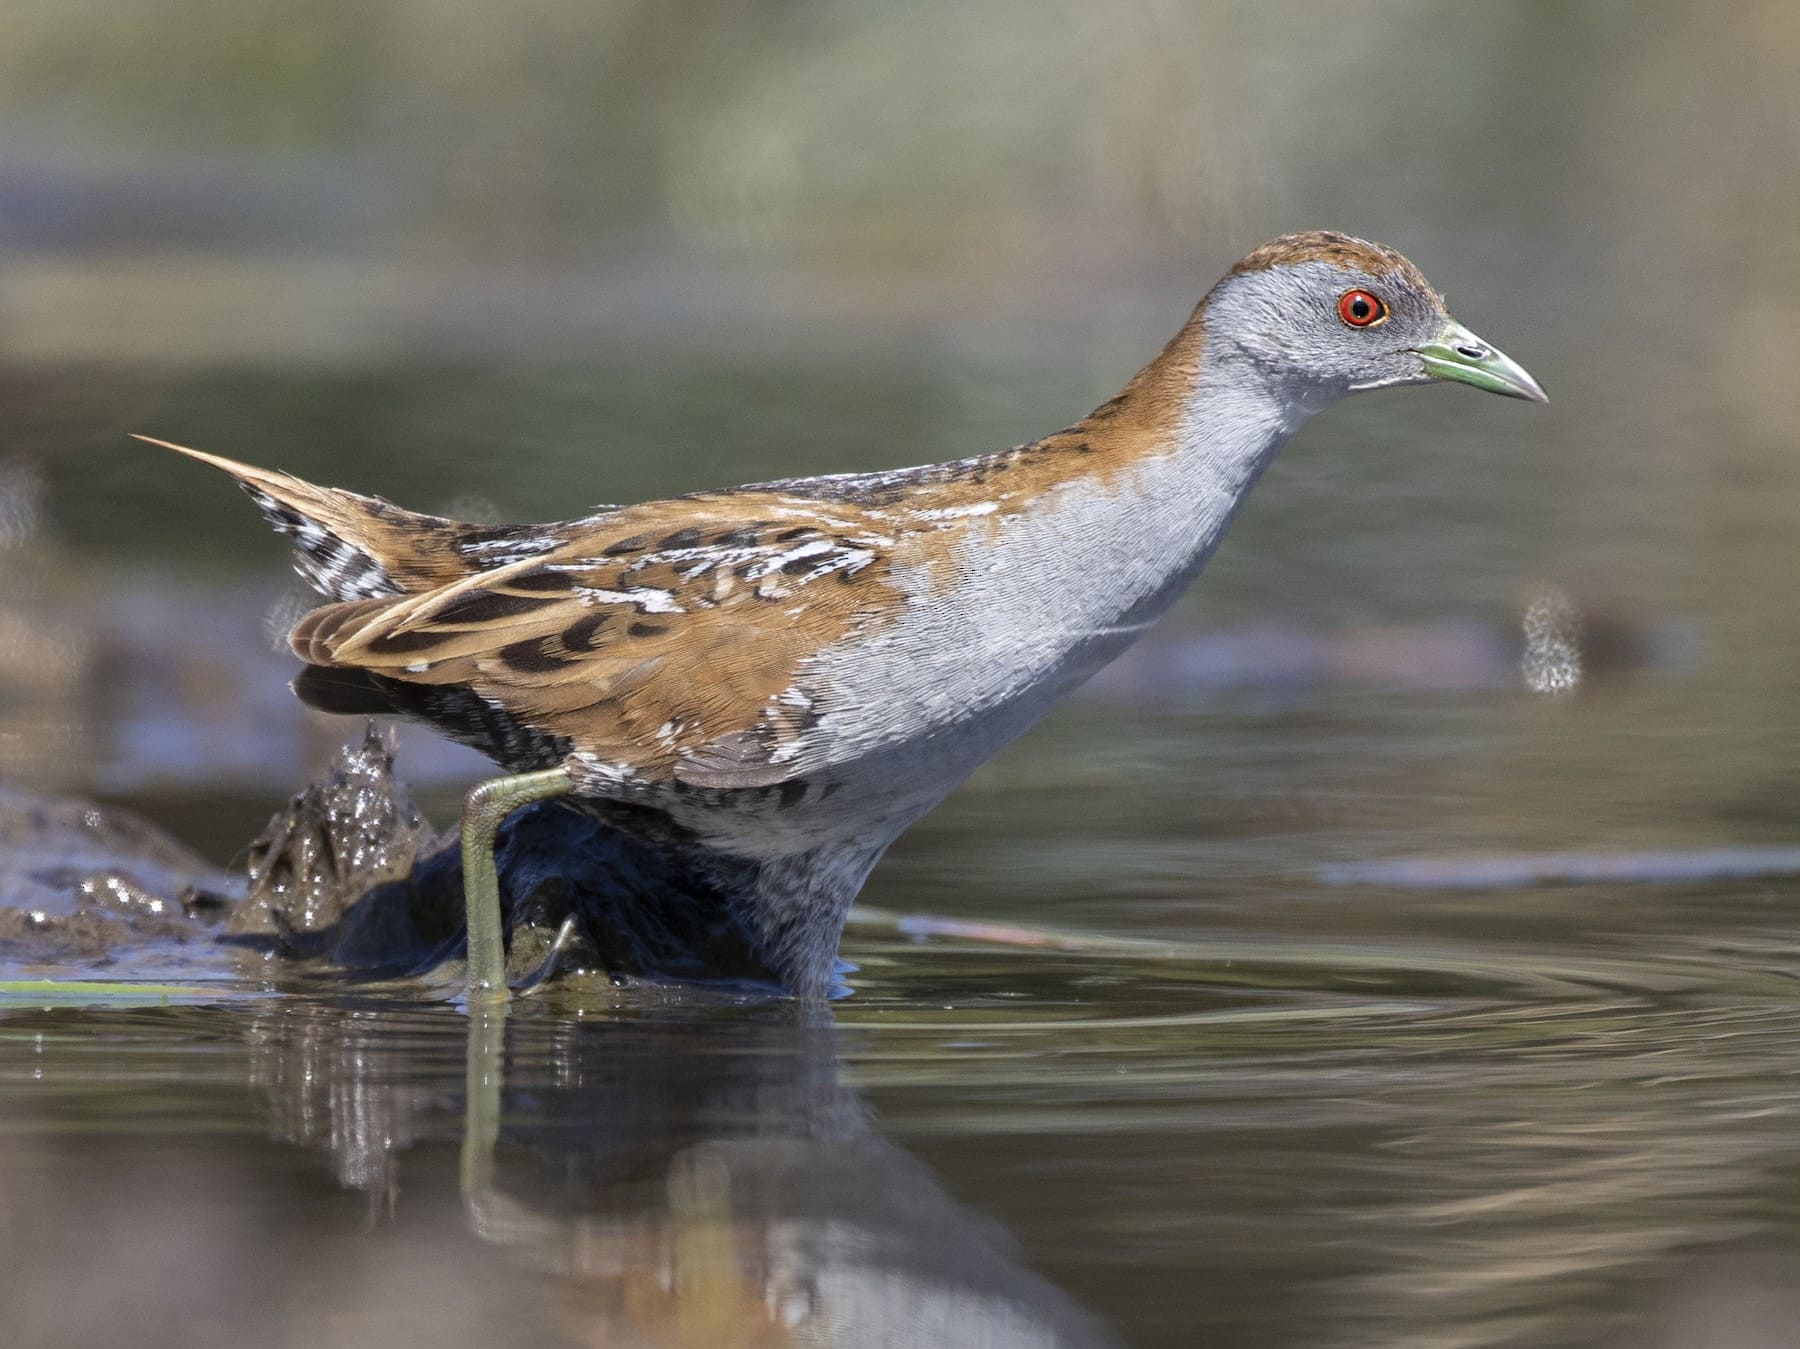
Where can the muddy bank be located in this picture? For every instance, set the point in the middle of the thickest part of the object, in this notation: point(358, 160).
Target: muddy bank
point(79, 880)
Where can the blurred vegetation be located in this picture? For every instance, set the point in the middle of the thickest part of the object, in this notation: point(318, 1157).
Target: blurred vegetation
point(859, 134)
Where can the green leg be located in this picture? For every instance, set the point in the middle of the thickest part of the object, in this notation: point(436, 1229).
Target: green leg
point(486, 805)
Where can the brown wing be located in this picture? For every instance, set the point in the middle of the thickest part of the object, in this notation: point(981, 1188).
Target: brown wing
point(660, 638)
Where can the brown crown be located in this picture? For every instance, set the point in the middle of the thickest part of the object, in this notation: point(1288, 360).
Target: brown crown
point(1340, 250)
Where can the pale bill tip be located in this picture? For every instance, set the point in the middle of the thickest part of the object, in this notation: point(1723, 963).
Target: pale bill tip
point(1462, 356)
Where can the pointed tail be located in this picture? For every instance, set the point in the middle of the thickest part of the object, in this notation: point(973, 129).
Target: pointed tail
point(346, 546)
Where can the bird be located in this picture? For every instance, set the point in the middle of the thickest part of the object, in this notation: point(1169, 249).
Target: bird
point(784, 676)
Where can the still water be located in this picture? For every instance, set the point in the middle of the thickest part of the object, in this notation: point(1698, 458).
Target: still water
point(1260, 1091)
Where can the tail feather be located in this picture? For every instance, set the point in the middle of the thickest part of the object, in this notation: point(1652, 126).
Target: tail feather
point(347, 546)
point(311, 638)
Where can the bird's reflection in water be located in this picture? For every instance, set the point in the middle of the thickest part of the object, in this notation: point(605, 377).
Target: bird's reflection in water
point(693, 1177)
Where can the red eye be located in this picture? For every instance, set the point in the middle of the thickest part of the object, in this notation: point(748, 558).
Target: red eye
point(1360, 309)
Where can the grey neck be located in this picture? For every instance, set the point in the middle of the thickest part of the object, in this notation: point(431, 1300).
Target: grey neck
point(1185, 499)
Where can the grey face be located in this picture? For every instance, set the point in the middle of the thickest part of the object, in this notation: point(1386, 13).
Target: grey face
point(1317, 331)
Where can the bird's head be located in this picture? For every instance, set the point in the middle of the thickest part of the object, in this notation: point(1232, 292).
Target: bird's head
point(1321, 315)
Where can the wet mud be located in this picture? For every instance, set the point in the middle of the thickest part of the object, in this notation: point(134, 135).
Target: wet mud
point(78, 880)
